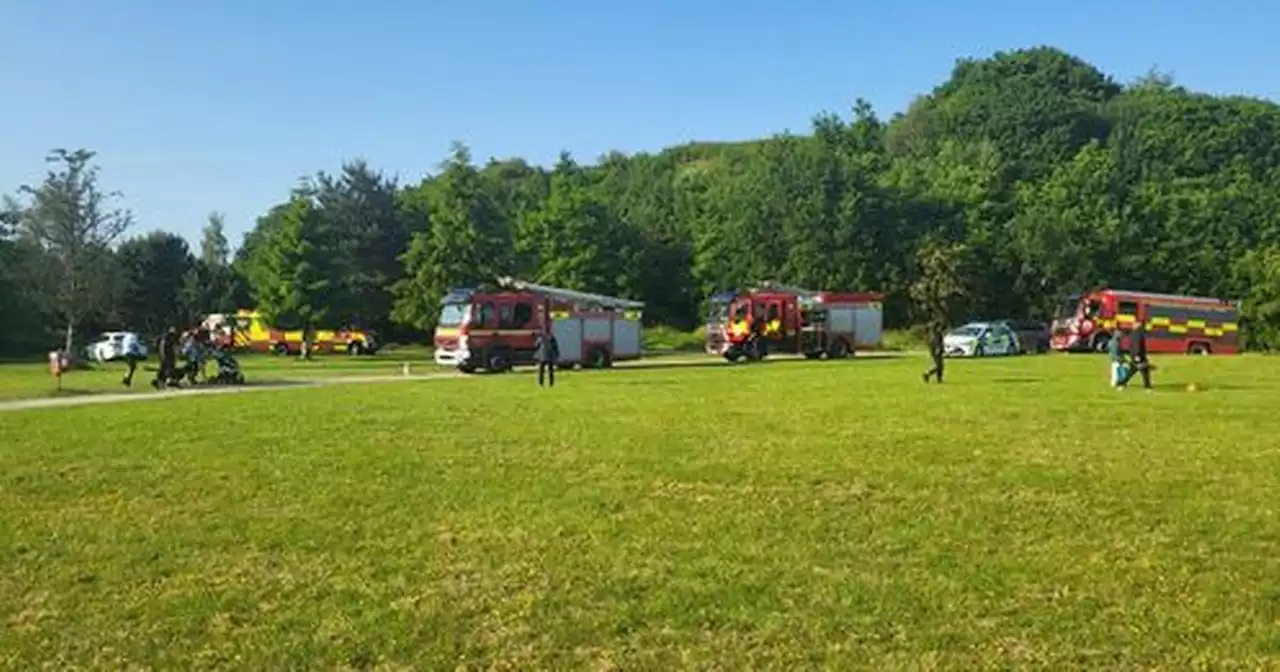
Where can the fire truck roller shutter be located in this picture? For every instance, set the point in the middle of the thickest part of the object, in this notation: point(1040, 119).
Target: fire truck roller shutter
point(869, 324)
point(568, 333)
point(627, 336)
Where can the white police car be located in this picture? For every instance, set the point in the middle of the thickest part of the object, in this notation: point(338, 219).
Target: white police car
point(980, 339)
point(111, 346)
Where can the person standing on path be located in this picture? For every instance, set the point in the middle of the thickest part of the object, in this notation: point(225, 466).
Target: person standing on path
point(132, 355)
point(546, 351)
point(936, 329)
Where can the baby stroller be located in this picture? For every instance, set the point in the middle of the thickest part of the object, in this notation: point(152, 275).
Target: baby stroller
point(228, 369)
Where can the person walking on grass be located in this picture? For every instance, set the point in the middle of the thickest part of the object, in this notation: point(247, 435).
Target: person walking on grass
point(132, 355)
point(1138, 357)
point(167, 349)
point(936, 350)
point(546, 351)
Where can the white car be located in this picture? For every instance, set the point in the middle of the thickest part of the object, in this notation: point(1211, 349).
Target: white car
point(980, 339)
point(110, 346)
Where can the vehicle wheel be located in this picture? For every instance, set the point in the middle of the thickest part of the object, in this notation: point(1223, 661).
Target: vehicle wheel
point(597, 358)
point(498, 361)
point(838, 350)
point(466, 368)
point(279, 349)
point(1198, 349)
point(812, 355)
point(239, 379)
point(355, 348)
point(1100, 342)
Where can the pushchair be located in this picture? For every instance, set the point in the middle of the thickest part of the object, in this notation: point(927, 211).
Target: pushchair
point(228, 372)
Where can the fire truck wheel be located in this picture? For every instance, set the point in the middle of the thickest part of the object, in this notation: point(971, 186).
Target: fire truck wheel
point(1198, 349)
point(597, 358)
point(1100, 342)
point(355, 348)
point(838, 350)
point(498, 361)
point(279, 349)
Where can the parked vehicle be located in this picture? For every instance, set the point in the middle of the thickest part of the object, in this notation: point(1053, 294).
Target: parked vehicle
point(1032, 336)
point(247, 330)
point(1174, 323)
point(495, 329)
point(109, 346)
point(773, 318)
point(980, 339)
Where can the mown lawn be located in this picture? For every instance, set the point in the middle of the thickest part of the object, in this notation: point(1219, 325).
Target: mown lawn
point(789, 515)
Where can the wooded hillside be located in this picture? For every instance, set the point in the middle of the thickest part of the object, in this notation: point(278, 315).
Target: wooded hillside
point(1032, 170)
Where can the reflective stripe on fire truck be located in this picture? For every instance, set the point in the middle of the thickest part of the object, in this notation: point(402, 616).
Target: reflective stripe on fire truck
point(559, 314)
point(630, 314)
point(739, 328)
point(773, 327)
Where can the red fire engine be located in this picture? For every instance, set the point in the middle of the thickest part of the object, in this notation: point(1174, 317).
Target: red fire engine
point(777, 318)
point(497, 329)
point(1174, 323)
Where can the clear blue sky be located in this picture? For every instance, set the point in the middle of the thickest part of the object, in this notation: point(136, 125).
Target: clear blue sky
point(223, 105)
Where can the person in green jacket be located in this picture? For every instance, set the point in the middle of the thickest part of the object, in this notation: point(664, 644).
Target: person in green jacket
point(1115, 355)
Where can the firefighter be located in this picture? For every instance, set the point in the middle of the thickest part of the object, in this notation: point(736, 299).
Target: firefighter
point(936, 330)
point(755, 339)
point(1138, 356)
point(546, 351)
point(167, 348)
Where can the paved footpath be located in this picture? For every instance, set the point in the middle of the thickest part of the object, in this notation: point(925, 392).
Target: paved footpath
point(296, 384)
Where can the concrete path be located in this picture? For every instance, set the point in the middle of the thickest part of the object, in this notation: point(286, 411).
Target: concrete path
point(123, 397)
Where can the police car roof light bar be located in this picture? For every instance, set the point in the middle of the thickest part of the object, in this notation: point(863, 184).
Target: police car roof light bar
point(571, 295)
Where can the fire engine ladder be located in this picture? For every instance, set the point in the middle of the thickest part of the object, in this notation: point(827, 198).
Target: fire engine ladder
point(779, 287)
point(572, 296)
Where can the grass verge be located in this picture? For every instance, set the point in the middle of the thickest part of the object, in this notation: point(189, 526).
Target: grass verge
point(793, 514)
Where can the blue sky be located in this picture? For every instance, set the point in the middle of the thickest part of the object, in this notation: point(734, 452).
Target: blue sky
point(223, 105)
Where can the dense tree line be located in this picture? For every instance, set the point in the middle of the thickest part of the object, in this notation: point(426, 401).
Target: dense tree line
point(1022, 177)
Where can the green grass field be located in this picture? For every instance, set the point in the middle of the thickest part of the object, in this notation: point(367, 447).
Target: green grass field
point(788, 515)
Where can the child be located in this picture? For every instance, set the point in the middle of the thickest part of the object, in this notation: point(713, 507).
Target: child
point(1119, 372)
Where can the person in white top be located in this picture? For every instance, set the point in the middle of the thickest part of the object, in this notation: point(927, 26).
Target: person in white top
point(132, 355)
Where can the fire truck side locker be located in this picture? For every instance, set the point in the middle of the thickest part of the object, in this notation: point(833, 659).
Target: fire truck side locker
point(568, 333)
point(869, 321)
point(628, 337)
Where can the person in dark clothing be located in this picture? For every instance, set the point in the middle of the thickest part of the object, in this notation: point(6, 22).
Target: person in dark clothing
point(1138, 357)
point(546, 351)
point(936, 331)
point(167, 348)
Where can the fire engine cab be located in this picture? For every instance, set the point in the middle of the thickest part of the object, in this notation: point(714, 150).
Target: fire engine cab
point(774, 318)
point(1174, 323)
point(496, 329)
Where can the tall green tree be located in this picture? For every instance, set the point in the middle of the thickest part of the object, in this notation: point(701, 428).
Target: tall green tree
point(468, 242)
point(68, 219)
point(154, 269)
point(290, 271)
point(578, 241)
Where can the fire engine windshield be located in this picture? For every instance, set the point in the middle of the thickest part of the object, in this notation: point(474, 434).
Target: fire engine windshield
point(1068, 308)
point(717, 312)
point(453, 314)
